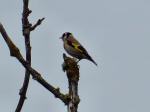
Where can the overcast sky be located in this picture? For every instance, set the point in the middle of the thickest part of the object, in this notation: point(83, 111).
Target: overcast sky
point(116, 33)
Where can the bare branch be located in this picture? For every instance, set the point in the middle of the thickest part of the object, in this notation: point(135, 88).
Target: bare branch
point(36, 24)
point(26, 29)
point(26, 33)
point(14, 51)
point(72, 71)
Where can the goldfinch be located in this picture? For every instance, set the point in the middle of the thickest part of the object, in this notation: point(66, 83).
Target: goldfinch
point(74, 48)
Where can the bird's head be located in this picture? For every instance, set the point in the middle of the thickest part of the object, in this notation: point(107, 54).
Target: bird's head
point(65, 35)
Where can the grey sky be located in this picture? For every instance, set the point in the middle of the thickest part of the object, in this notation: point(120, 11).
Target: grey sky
point(116, 34)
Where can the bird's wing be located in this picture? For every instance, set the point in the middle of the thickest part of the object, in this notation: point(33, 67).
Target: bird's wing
point(76, 45)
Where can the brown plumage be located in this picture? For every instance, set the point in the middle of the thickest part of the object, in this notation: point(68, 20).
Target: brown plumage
point(74, 48)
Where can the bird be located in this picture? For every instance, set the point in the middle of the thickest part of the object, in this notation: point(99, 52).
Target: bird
point(74, 48)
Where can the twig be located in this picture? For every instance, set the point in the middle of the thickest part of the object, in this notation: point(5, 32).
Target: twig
point(36, 24)
point(26, 29)
point(26, 34)
point(14, 52)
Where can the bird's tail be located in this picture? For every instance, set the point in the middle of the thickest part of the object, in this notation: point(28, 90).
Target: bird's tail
point(90, 58)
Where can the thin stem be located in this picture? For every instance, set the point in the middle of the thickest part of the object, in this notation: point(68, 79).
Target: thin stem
point(26, 35)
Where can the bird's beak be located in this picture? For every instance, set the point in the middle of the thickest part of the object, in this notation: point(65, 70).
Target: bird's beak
point(60, 37)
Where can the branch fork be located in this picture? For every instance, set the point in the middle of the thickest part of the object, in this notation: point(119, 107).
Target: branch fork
point(70, 66)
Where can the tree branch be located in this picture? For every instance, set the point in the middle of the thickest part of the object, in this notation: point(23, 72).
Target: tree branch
point(36, 24)
point(26, 29)
point(72, 71)
point(26, 34)
point(14, 52)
